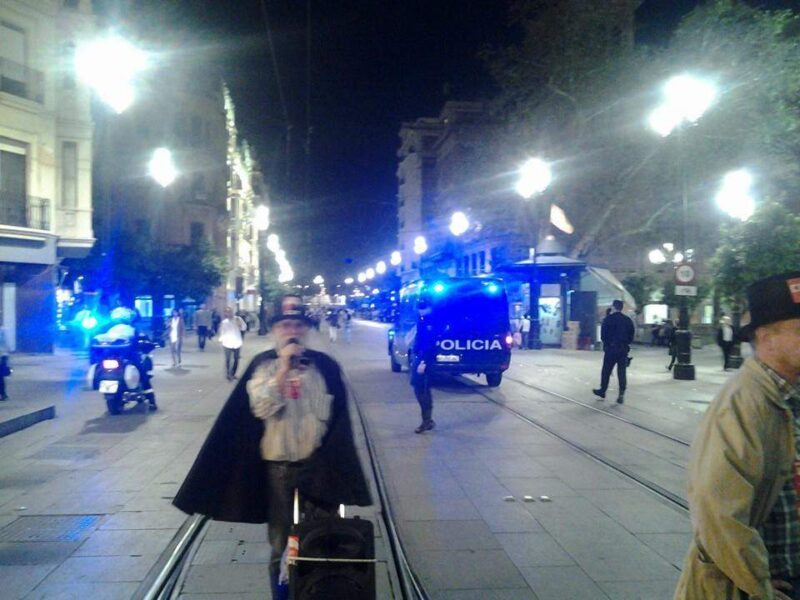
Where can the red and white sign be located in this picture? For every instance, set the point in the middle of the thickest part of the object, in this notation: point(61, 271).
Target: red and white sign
point(684, 274)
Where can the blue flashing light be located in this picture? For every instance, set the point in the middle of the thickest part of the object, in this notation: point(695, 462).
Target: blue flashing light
point(438, 288)
point(492, 288)
point(89, 322)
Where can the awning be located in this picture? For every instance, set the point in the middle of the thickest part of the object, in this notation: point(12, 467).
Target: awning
point(607, 286)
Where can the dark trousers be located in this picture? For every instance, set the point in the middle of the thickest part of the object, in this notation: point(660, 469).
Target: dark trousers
point(3, 366)
point(422, 390)
point(726, 353)
point(281, 482)
point(614, 357)
point(231, 355)
point(202, 334)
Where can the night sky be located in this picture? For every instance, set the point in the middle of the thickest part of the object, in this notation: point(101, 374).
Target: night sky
point(373, 64)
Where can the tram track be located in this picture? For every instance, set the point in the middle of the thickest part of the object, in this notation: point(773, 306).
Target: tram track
point(669, 497)
point(165, 580)
point(600, 410)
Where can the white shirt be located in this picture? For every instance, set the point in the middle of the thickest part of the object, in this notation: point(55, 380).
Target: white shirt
point(525, 325)
point(230, 332)
point(727, 333)
point(174, 326)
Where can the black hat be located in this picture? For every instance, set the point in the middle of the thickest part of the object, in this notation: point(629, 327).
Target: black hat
point(290, 307)
point(772, 299)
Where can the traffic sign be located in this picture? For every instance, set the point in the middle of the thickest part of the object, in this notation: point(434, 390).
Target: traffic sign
point(686, 290)
point(684, 274)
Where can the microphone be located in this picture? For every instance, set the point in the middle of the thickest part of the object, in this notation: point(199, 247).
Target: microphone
point(297, 361)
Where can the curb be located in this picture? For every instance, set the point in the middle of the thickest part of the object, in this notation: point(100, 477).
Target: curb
point(26, 420)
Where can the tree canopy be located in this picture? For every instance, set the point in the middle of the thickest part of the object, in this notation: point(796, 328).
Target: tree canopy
point(767, 244)
point(581, 100)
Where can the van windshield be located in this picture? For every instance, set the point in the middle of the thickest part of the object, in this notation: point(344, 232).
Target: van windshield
point(470, 310)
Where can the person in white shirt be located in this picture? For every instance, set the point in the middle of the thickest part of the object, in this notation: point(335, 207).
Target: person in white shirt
point(230, 336)
point(725, 340)
point(176, 331)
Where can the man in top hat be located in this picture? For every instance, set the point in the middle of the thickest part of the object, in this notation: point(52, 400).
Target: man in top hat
point(285, 427)
point(744, 466)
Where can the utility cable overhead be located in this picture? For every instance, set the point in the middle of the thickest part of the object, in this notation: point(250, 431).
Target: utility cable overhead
point(281, 95)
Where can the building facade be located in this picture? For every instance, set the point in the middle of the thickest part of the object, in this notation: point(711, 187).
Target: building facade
point(45, 162)
point(245, 191)
point(444, 166)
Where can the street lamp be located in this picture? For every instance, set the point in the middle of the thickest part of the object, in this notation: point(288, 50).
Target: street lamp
point(348, 281)
point(109, 65)
point(535, 176)
point(420, 245)
point(162, 168)
point(685, 99)
point(261, 217)
point(261, 223)
point(380, 267)
point(318, 280)
point(396, 258)
point(370, 273)
point(459, 223)
point(362, 277)
point(734, 196)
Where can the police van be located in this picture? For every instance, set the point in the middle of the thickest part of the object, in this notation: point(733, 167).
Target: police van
point(469, 317)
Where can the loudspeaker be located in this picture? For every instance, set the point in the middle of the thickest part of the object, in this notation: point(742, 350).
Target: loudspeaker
point(334, 538)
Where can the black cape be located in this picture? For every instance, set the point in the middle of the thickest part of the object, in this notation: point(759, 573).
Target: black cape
point(227, 480)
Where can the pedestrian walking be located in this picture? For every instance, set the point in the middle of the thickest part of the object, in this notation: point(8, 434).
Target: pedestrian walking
point(672, 345)
point(617, 333)
point(202, 318)
point(423, 349)
point(333, 326)
point(516, 332)
point(347, 324)
point(525, 329)
point(215, 321)
point(725, 340)
point(5, 366)
point(175, 331)
point(743, 463)
point(284, 427)
point(231, 336)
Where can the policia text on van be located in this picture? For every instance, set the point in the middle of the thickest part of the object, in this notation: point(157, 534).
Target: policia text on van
point(468, 322)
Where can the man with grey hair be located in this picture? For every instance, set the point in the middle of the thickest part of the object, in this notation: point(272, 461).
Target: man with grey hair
point(744, 465)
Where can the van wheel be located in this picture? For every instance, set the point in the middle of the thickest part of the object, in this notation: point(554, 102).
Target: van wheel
point(114, 403)
point(494, 379)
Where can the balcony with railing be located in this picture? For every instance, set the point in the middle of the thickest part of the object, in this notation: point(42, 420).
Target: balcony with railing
point(24, 211)
point(19, 80)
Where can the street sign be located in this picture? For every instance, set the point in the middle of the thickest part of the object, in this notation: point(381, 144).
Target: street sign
point(684, 274)
point(686, 290)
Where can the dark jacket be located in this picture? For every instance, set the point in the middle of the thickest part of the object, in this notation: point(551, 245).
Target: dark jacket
point(616, 332)
point(227, 482)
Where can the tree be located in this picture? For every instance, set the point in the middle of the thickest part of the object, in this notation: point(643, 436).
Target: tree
point(640, 286)
point(136, 268)
point(583, 101)
point(767, 244)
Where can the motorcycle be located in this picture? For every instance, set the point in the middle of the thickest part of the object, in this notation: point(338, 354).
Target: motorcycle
point(123, 372)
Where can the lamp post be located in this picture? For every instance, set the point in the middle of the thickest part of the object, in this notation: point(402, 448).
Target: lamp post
point(736, 200)
point(686, 99)
point(261, 222)
point(535, 177)
point(109, 65)
point(163, 171)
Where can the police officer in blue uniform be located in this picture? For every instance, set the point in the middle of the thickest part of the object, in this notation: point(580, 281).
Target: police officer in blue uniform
point(423, 349)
